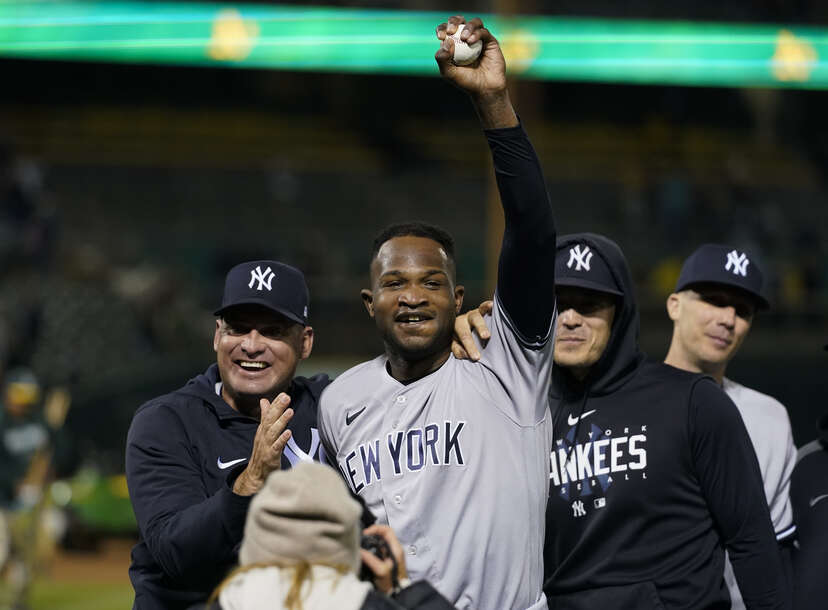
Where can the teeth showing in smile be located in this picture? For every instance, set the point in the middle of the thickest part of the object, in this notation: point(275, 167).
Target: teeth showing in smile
point(412, 319)
point(252, 365)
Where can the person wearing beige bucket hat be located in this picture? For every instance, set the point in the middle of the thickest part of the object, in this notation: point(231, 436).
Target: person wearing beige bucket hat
point(301, 551)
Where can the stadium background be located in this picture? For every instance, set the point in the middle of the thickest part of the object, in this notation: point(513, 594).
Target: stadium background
point(127, 191)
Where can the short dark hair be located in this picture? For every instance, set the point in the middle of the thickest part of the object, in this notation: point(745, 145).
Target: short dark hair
point(416, 229)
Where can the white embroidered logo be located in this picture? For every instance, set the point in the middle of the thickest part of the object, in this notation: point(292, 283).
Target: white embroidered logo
point(296, 454)
point(739, 262)
point(580, 257)
point(263, 277)
point(578, 509)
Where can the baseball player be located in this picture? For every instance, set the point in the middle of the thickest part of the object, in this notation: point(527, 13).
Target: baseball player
point(809, 495)
point(718, 292)
point(196, 456)
point(652, 470)
point(452, 454)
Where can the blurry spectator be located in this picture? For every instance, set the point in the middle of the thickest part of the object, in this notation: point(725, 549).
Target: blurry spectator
point(27, 220)
point(29, 443)
point(301, 551)
point(809, 495)
point(23, 432)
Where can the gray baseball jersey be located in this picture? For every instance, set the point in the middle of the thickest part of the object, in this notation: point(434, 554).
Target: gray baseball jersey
point(456, 463)
point(769, 428)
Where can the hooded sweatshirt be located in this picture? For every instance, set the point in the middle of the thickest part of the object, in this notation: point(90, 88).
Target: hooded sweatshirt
point(652, 476)
point(184, 451)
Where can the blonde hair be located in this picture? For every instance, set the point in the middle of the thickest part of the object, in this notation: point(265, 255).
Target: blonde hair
point(301, 573)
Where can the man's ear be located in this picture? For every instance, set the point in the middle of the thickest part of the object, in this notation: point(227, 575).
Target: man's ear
point(368, 300)
point(674, 306)
point(307, 342)
point(459, 293)
point(217, 335)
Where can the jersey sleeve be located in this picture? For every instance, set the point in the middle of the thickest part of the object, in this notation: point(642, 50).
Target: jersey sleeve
point(193, 536)
point(523, 370)
point(731, 482)
point(526, 268)
point(328, 434)
point(780, 503)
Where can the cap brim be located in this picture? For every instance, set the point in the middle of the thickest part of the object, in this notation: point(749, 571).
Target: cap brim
point(289, 315)
point(762, 304)
point(584, 283)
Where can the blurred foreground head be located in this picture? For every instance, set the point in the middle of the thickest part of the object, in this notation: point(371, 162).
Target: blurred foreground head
point(303, 515)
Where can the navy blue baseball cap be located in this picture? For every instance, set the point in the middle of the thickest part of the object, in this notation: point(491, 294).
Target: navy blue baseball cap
point(577, 263)
point(720, 264)
point(271, 284)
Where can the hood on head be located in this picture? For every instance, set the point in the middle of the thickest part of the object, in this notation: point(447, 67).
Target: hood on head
point(588, 260)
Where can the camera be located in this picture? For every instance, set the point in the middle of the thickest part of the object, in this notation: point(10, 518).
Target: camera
point(376, 545)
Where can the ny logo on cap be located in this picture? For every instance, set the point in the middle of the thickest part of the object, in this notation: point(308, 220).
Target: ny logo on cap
point(580, 257)
point(263, 277)
point(739, 262)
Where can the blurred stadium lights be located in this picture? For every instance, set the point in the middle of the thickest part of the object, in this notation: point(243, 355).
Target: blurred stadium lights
point(394, 41)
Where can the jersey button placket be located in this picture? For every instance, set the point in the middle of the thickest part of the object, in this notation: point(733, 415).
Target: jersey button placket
point(393, 502)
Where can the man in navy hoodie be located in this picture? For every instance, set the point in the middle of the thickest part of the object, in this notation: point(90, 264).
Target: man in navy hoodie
point(652, 472)
point(196, 456)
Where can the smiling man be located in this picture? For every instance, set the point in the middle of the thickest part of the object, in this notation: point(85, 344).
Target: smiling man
point(453, 454)
point(719, 291)
point(195, 456)
point(652, 472)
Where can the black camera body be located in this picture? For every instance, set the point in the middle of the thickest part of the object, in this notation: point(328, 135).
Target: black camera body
point(376, 545)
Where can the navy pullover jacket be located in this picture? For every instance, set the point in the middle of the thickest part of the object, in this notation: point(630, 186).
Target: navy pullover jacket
point(653, 475)
point(184, 450)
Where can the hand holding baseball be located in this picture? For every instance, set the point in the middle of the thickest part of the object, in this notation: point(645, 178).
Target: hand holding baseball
point(483, 79)
point(486, 74)
point(268, 444)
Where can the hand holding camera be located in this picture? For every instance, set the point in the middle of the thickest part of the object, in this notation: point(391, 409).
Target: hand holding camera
point(383, 555)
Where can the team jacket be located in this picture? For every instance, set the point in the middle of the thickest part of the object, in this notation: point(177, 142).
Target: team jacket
point(652, 476)
point(183, 452)
point(809, 495)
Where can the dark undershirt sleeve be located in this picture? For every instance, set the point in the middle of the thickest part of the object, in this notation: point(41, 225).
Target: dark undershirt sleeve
point(732, 485)
point(525, 276)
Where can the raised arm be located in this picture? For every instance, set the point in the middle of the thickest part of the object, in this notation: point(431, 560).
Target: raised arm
point(527, 258)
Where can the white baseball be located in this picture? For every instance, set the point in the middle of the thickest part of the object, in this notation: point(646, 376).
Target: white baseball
point(464, 53)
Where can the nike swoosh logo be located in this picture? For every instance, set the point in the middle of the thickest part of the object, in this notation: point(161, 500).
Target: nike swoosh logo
point(350, 417)
point(574, 420)
point(224, 465)
point(817, 499)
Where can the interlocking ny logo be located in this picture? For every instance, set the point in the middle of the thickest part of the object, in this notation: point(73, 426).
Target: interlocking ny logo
point(739, 262)
point(263, 277)
point(578, 509)
point(580, 257)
